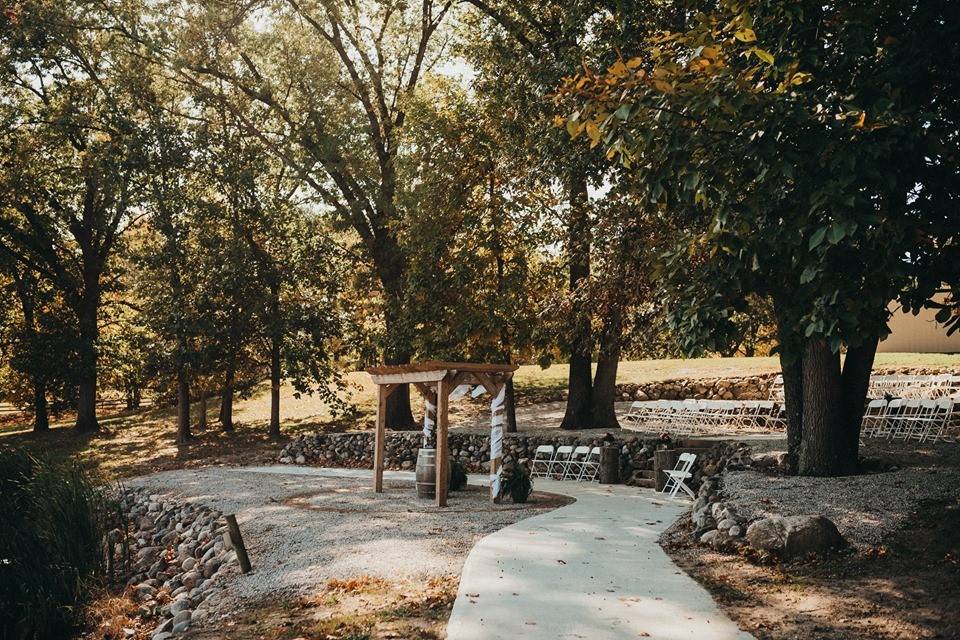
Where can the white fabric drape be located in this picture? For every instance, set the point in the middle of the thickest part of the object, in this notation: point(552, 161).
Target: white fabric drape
point(497, 419)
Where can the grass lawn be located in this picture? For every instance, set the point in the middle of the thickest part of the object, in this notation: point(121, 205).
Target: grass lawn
point(144, 441)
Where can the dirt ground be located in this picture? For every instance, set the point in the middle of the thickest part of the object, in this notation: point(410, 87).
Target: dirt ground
point(907, 587)
point(361, 609)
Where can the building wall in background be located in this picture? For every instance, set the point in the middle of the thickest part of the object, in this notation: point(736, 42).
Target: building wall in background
point(919, 334)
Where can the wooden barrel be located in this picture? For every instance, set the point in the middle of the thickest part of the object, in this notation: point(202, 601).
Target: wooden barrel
point(427, 473)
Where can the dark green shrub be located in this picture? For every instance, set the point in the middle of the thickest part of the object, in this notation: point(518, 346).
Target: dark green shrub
point(50, 545)
point(516, 483)
point(458, 476)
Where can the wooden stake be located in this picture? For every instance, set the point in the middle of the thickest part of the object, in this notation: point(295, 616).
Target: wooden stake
point(237, 542)
point(443, 455)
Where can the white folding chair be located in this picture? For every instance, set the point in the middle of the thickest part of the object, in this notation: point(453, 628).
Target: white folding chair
point(940, 421)
point(542, 459)
point(677, 476)
point(635, 414)
point(590, 467)
point(873, 417)
point(888, 419)
point(910, 416)
point(560, 462)
point(575, 462)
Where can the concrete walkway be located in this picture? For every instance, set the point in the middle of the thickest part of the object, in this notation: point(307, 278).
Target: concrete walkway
point(590, 570)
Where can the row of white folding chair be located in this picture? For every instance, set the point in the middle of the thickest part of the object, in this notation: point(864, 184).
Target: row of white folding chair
point(903, 386)
point(696, 416)
point(566, 462)
point(915, 386)
point(912, 419)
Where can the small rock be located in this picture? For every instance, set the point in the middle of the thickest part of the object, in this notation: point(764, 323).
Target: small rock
point(180, 604)
point(190, 579)
point(210, 567)
point(163, 627)
point(145, 590)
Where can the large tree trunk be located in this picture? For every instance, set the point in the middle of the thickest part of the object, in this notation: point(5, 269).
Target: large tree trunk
point(226, 398)
point(275, 388)
point(399, 414)
point(202, 413)
point(791, 367)
point(604, 414)
point(579, 389)
point(133, 397)
point(856, 383)
point(25, 287)
point(183, 405)
point(823, 425)
point(511, 407)
point(87, 357)
point(41, 418)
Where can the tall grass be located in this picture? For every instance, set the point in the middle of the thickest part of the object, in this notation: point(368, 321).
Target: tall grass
point(54, 518)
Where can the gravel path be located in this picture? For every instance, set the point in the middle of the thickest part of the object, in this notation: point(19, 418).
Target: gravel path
point(301, 530)
point(865, 508)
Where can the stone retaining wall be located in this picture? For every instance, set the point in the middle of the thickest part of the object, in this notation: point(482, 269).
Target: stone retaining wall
point(755, 387)
point(745, 388)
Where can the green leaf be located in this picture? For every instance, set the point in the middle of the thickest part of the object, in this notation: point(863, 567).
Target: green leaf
point(623, 112)
point(836, 233)
point(808, 274)
point(817, 237)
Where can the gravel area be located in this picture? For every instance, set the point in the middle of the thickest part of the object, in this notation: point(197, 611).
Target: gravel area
point(303, 530)
point(865, 508)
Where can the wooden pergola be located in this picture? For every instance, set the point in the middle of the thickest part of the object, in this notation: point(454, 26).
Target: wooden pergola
point(436, 381)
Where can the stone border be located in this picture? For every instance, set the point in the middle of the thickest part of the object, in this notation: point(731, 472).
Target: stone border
point(174, 554)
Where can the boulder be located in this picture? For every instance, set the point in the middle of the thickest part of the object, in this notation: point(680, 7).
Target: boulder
point(811, 534)
point(793, 537)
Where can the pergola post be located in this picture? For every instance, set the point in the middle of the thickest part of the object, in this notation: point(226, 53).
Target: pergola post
point(443, 462)
point(383, 391)
point(497, 418)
